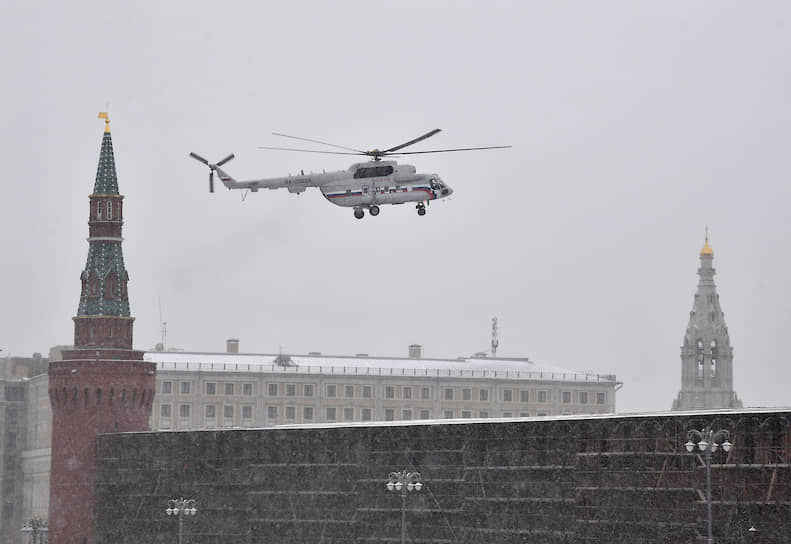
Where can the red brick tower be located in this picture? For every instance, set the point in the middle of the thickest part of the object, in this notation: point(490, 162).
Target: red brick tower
point(102, 385)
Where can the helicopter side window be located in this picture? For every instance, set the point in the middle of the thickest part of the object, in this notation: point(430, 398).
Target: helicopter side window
point(373, 172)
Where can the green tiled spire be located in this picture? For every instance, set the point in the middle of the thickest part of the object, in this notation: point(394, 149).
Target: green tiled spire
point(104, 278)
point(106, 178)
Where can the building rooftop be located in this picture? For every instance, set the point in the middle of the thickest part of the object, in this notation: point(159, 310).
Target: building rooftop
point(465, 367)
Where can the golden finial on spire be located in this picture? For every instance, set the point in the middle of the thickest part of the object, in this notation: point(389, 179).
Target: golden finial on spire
point(707, 251)
point(103, 115)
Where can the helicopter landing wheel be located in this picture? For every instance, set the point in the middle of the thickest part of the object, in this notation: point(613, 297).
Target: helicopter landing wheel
point(359, 213)
point(421, 209)
point(374, 211)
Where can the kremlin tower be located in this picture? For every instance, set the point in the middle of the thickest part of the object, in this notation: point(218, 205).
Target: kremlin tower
point(707, 355)
point(102, 385)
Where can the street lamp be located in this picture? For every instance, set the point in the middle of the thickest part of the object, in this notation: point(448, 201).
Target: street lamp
point(37, 529)
point(181, 508)
point(708, 442)
point(402, 482)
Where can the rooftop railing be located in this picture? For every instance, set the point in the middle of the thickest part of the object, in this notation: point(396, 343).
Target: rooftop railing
point(341, 370)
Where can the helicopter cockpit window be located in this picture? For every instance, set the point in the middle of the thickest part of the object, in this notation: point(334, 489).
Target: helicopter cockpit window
point(436, 184)
point(373, 172)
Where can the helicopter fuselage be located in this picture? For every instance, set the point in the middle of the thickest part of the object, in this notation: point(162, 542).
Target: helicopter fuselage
point(383, 182)
point(363, 185)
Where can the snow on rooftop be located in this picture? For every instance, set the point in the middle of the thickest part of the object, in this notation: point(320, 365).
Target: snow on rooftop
point(472, 367)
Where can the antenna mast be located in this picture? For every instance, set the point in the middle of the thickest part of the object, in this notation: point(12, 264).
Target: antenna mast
point(163, 329)
point(495, 341)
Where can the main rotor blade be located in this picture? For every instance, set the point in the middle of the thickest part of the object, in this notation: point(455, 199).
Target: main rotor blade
point(198, 158)
point(226, 159)
point(316, 142)
point(416, 140)
point(449, 150)
point(312, 150)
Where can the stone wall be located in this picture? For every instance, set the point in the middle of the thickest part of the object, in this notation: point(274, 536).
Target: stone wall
point(577, 479)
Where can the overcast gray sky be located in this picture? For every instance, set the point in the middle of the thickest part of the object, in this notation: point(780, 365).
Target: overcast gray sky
point(634, 124)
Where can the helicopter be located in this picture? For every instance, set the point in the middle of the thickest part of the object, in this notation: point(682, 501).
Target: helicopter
point(364, 185)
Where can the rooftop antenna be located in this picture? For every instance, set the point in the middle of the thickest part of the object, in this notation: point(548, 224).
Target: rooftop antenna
point(163, 329)
point(495, 341)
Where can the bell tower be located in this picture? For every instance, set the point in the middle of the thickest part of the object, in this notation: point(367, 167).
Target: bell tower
point(102, 385)
point(707, 355)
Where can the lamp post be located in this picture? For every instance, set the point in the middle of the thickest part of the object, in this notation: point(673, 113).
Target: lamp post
point(181, 508)
point(402, 482)
point(708, 442)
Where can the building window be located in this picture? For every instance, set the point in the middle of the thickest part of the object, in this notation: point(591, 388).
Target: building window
point(291, 413)
point(109, 211)
point(483, 414)
point(466, 394)
point(211, 388)
point(184, 411)
point(508, 395)
point(601, 398)
point(425, 414)
point(98, 210)
point(425, 393)
point(229, 389)
point(365, 414)
point(566, 397)
point(307, 390)
point(449, 393)
point(406, 414)
point(526, 414)
point(348, 414)
point(508, 414)
point(583, 397)
point(483, 395)
point(524, 396)
point(167, 388)
point(164, 411)
point(541, 414)
point(271, 412)
point(542, 396)
point(211, 411)
point(348, 391)
point(271, 389)
point(466, 414)
point(447, 414)
point(247, 389)
point(247, 412)
point(389, 414)
point(332, 391)
point(185, 388)
point(307, 413)
point(227, 411)
point(291, 390)
point(367, 391)
point(406, 392)
point(389, 392)
point(331, 413)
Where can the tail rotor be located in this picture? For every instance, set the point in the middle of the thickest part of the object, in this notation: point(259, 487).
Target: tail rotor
point(212, 167)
